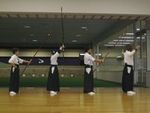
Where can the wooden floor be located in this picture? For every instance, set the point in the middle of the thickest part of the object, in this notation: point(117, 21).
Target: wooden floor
point(106, 100)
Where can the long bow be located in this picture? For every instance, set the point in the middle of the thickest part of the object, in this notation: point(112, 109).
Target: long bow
point(63, 34)
point(30, 60)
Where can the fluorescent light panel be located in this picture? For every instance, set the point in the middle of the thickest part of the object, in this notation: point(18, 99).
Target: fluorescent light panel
point(74, 41)
point(34, 40)
point(129, 33)
point(27, 26)
point(126, 37)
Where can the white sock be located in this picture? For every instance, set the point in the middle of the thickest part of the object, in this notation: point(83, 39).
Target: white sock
point(12, 93)
point(91, 93)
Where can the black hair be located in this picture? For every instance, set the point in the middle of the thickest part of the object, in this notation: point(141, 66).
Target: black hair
point(15, 50)
point(86, 50)
point(129, 47)
point(53, 52)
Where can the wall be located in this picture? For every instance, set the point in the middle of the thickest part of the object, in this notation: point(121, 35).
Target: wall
point(111, 69)
point(41, 53)
point(137, 7)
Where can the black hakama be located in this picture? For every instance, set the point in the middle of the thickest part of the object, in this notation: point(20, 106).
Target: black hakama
point(14, 79)
point(53, 79)
point(88, 80)
point(127, 78)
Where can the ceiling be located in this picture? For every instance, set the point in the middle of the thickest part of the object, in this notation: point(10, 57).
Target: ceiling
point(34, 30)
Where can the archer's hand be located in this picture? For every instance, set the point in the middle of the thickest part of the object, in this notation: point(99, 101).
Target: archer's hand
point(100, 61)
point(29, 62)
point(62, 48)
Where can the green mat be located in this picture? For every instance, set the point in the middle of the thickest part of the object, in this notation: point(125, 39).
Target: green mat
point(64, 82)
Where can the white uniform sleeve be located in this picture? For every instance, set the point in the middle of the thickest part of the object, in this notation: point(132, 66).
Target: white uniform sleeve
point(92, 58)
point(56, 55)
point(131, 53)
point(20, 60)
point(11, 60)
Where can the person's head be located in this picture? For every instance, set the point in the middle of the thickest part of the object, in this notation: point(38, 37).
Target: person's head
point(129, 47)
point(53, 52)
point(15, 51)
point(89, 50)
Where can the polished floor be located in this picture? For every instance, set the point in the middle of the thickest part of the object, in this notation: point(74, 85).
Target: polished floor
point(72, 100)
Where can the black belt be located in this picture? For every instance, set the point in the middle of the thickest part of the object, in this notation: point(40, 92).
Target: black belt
point(88, 66)
point(128, 65)
point(54, 65)
point(17, 65)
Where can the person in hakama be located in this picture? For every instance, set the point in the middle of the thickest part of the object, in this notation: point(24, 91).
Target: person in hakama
point(128, 71)
point(15, 70)
point(53, 85)
point(88, 71)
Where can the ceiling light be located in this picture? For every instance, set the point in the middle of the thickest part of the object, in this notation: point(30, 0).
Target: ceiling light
point(27, 26)
point(126, 37)
point(129, 33)
point(126, 40)
point(84, 28)
point(34, 40)
point(78, 35)
point(118, 57)
point(111, 45)
point(126, 43)
point(74, 41)
point(31, 34)
point(115, 40)
point(138, 29)
point(49, 34)
point(137, 37)
point(140, 38)
point(143, 38)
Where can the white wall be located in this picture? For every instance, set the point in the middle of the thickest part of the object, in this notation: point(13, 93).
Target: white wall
point(138, 7)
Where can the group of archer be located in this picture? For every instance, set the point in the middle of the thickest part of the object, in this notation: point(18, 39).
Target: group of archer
point(53, 86)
